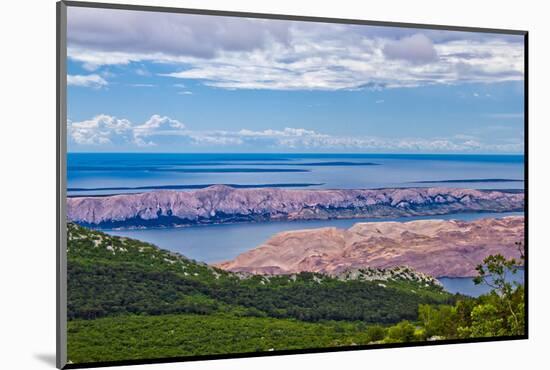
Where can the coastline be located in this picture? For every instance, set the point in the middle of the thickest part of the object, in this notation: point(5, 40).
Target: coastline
point(222, 204)
point(358, 219)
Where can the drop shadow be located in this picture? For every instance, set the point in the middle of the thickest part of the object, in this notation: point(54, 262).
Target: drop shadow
point(46, 358)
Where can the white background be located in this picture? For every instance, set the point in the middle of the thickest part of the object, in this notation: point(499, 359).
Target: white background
point(27, 197)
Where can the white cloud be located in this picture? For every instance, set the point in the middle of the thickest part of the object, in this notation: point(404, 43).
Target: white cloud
point(105, 129)
point(297, 138)
point(206, 139)
point(286, 132)
point(143, 85)
point(156, 126)
point(142, 71)
point(157, 122)
point(98, 130)
point(93, 80)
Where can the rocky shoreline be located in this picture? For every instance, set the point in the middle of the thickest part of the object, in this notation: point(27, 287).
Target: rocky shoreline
point(222, 204)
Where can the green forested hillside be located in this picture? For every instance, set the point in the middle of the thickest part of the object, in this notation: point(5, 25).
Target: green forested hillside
point(131, 300)
point(110, 276)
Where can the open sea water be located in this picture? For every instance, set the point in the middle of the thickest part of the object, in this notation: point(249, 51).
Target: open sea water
point(108, 173)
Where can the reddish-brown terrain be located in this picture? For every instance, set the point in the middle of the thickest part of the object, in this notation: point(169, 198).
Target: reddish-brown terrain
point(435, 247)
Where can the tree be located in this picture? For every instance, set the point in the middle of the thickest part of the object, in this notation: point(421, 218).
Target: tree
point(493, 272)
point(376, 333)
point(501, 312)
point(438, 321)
point(402, 332)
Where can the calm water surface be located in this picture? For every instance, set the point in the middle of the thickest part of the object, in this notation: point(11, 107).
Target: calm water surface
point(466, 285)
point(97, 171)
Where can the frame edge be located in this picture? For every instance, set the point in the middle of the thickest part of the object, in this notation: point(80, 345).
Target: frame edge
point(61, 150)
point(288, 17)
point(61, 143)
point(526, 174)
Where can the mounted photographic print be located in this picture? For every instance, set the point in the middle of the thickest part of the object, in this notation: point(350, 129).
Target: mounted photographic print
point(238, 184)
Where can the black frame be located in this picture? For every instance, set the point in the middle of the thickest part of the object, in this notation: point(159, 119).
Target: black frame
point(61, 224)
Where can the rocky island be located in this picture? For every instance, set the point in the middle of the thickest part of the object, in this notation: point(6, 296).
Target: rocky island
point(224, 204)
point(438, 248)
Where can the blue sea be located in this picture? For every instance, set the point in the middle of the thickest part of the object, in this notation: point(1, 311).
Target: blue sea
point(466, 285)
point(110, 173)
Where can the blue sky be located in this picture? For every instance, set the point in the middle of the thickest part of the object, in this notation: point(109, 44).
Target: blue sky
point(157, 82)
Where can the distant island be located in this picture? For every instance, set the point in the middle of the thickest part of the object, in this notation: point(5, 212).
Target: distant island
point(465, 181)
point(224, 204)
point(195, 186)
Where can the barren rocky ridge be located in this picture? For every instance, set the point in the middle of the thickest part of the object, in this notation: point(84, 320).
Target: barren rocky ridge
point(221, 204)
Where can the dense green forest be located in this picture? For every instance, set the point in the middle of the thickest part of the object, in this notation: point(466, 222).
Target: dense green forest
point(110, 276)
point(129, 300)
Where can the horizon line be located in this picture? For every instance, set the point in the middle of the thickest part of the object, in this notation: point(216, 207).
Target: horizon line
point(295, 153)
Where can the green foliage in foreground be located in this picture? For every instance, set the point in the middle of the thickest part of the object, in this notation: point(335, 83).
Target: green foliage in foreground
point(499, 313)
point(131, 300)
point(163, 336)
point(139, 337)
point(487, 316)
point(109, 276)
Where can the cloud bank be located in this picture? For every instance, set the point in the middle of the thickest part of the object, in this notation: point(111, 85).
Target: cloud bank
point(240, 53)
point(105, 130)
